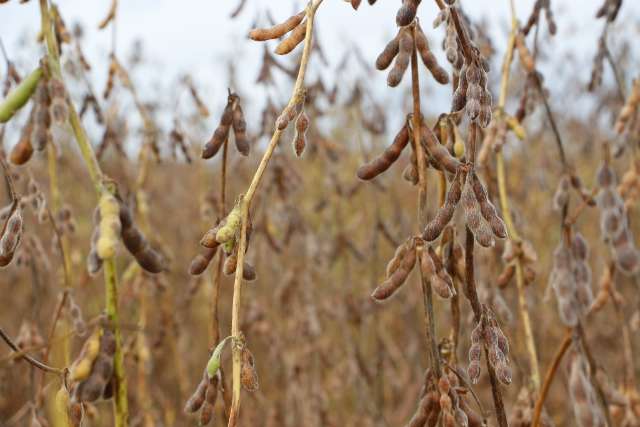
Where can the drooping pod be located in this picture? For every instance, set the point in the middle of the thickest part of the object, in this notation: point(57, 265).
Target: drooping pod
point(221, 133)
point(388, 53)
point(240, 131)
point(19, 96)
point(398, 277)
point(278, 30)
point(473, 216)
point(299, 139)
point(407, 12)
point(11, 234)
point(137, 244)
point(445, 213)
point(438, 151)
point(296, 37)
point(229, 267)
point(201, 261)
point(23, 150)
point(387, 158)
point(428, 58)
point(405, 48)
point(487, 209)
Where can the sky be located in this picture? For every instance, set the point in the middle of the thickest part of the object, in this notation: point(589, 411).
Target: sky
point(198, 37)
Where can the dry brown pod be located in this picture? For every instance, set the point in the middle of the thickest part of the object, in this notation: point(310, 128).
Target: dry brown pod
point(387, 288)
point(487, 209)
point(407, 12)
point(201, 261)
point(438, 151)
point(444, 215)
point(387, 158)
point(248, 373)
point(402, 59)
point(240, 131)
point(294, 39)
point(278, 30)
point(428, 58)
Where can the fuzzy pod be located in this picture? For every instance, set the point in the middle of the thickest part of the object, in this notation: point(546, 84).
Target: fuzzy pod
point(459, 100)
point(505, 277)
point(58, 94)
point(23, 150)
point(429, 59)
point(206, 414)
point(201, 261)
point(474, 370)
point(445, 213)
point(487, 209)
point(209, 238)
point(11, 235)
point(248, 373)
point(407, 12)
point(388, 53)
point(438, 151)
point(109, 226)
point(230, 264)
point(19, 96)
point(387, 158)
point(278, 30)
point(605, 176)
point(212, 146)
point(504, 373)
point(473, 216)
point(230, 226)
point(397, 258)
point(296, 36)
point(387, 288)
point(240, 131)
point(299, 140)
point(198, 397)
point(405, 48)
point(81, 368)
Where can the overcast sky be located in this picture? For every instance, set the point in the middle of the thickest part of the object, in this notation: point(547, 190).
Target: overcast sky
point(198, 36)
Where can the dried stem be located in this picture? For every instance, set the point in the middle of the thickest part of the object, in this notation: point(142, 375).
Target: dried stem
point(36, 363)
point(296, 97)
point(506, 212)
point(548, 378)
point(422, 202)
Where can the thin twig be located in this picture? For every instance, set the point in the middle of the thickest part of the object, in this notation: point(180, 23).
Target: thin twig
point(36, 363)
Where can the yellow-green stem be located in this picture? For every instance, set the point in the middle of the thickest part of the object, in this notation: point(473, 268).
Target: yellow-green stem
point(88, 155)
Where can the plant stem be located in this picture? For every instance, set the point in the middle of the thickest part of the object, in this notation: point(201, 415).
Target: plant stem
point(296, 97)
point(422, 203)
point(36, 363)
point(111, 296)
point(548, 378)
point(506, 212)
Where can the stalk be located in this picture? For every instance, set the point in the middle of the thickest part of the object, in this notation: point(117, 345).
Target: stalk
point(506, 212)
point(296, 97)
point(427, 292)
point(88, 155)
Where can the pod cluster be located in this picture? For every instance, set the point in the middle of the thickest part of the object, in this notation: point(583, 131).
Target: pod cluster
point(442, 399)
point(203, 398)
point(400, 48)
point(570, 278)
point(295, 26)
point(225, 234)
point(472, 93)
point(481, 215)
point(614, 224)
point(92, 373)
point(232, 117)
point(488, 334)
point(582, 394)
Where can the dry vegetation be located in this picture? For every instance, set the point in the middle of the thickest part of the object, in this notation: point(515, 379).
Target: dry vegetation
point(249, 287)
